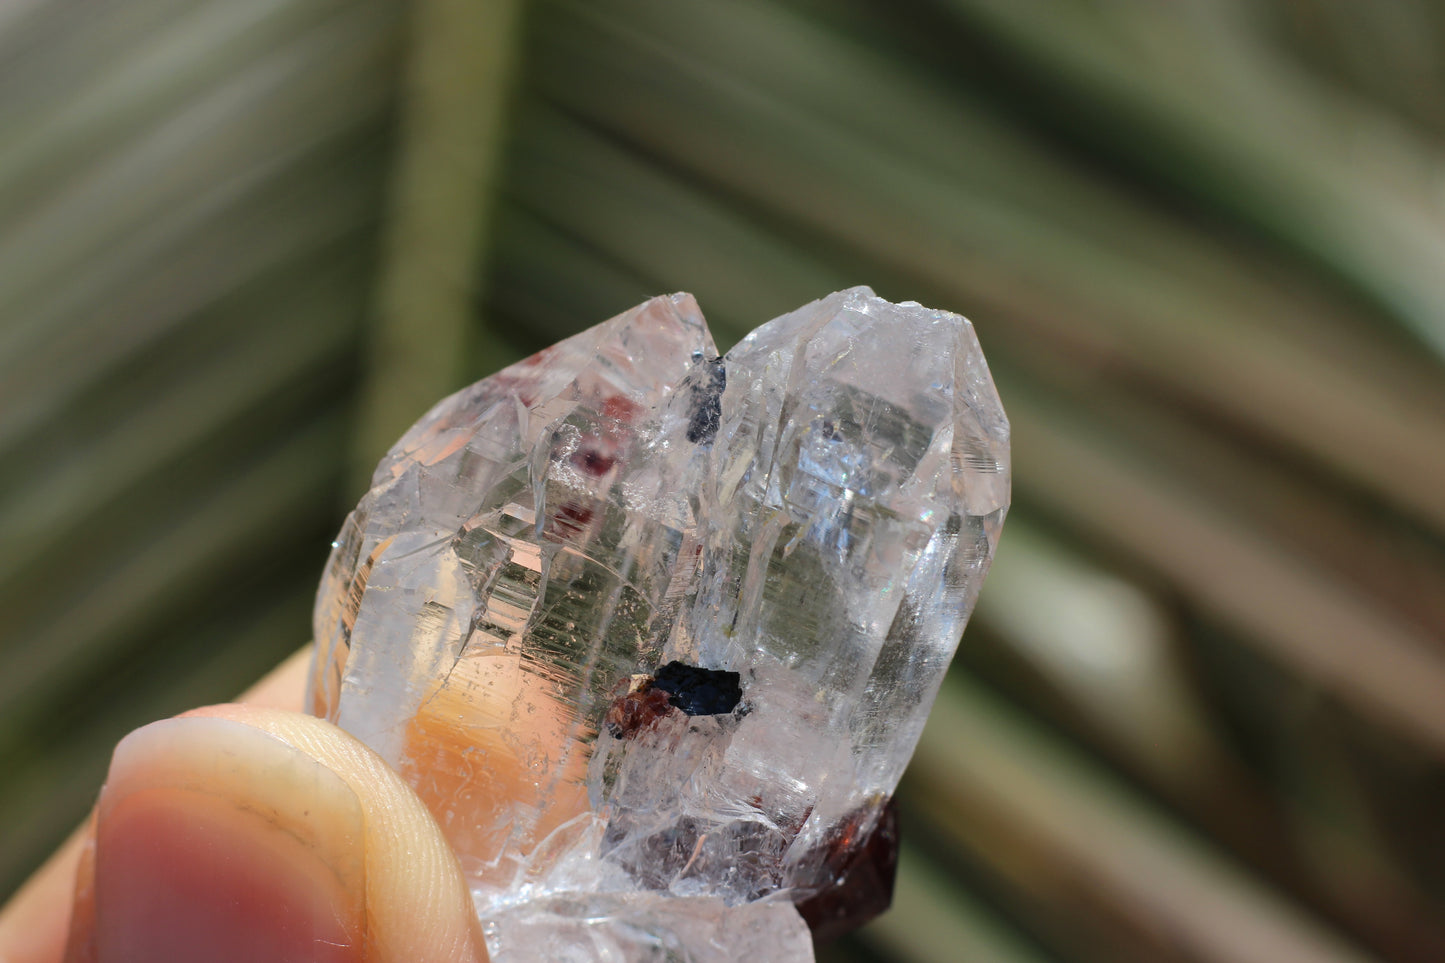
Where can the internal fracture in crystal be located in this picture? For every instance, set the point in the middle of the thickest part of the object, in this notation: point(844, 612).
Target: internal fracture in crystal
point(654, 629)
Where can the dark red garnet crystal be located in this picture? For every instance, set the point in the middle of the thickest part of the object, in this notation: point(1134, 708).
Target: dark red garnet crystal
point(857, 873)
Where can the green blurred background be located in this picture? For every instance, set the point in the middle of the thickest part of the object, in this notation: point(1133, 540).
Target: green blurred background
point(1200, 713)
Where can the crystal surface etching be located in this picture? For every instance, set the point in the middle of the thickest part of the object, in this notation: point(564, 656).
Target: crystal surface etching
point(654, 633)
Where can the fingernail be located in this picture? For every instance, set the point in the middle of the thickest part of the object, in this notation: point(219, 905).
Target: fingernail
point(219, 842)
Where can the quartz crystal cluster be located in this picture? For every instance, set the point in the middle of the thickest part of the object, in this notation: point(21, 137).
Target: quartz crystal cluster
point(654, 632)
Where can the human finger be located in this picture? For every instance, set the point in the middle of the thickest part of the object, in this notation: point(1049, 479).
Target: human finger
point(240, 833)
point(34, 923)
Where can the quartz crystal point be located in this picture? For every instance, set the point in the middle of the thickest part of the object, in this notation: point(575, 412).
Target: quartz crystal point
point(654, 633)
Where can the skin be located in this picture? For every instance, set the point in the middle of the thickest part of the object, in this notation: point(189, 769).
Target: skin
point(248, 831)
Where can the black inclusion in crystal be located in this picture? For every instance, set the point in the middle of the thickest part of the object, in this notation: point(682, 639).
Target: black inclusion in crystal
point(707, 393)
point(699, 692)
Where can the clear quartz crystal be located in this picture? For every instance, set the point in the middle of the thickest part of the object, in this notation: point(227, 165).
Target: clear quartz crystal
point(647, 928)
point(815, 512)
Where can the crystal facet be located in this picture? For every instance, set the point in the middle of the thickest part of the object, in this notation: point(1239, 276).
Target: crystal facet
point(654, 633)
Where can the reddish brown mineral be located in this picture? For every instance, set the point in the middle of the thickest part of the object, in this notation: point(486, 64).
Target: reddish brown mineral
point(862, 874)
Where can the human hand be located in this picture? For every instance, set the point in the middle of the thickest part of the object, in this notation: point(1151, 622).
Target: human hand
point(248, 832)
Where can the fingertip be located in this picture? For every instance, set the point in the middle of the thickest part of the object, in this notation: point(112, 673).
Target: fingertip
point(216, 841)
point(244, 832)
